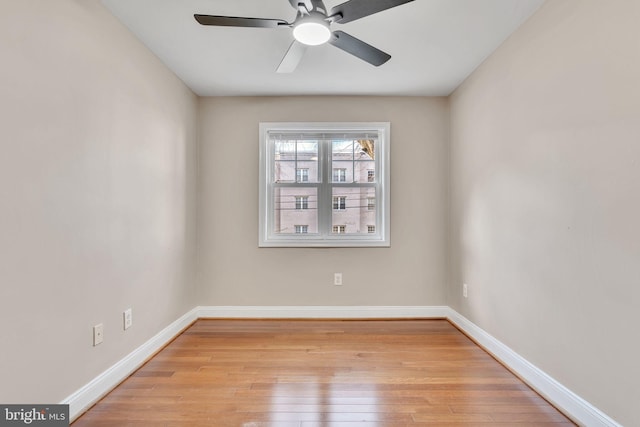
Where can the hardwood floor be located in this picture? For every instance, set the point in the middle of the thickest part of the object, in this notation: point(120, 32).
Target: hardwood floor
point(306, 373)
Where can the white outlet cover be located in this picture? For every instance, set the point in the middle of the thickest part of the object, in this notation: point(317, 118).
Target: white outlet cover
point(337, 279)
point(98, 334)
point(127, 317)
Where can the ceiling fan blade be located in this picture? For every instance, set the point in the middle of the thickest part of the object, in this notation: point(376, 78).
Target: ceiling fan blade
point(292, 57)
point(233, 21)
point(356, 9)
point(358, 48)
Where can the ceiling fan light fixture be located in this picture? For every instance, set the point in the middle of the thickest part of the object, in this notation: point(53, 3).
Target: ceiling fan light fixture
point(312, 32)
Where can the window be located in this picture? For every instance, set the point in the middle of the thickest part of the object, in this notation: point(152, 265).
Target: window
point(302, 175)
point(340, 175)
point(302, 202)
point(339, 203)
point(324, 184)
point(371, 203)
point(371, 175)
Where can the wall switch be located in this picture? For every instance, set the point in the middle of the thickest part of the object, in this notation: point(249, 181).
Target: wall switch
point(98, 334)
point(127, 317)
point(337, 279)
point(464, 290)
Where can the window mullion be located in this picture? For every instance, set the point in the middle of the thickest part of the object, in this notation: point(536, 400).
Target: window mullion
point(324, 209)
point(353, 162)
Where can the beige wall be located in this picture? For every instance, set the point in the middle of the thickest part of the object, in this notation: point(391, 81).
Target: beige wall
point(97, 186)
point(98, 207)
point(545, 190)
point(234, 271)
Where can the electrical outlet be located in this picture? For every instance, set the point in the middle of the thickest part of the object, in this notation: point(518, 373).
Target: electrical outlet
point(464, 290)
point(127, 318)
point(337, 279)
point(98, 334)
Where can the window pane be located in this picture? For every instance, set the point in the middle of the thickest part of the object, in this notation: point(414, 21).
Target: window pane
point(365, 165)
point(294, 206)
point(353, 160)
point(295, 160)
point(351, 209)
point(342, 160)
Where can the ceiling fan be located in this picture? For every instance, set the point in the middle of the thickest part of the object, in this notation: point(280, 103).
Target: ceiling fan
point(312, 27)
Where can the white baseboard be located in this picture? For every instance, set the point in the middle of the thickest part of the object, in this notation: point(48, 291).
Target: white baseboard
point(570, 403)
point(90, 393)
point(323, 312)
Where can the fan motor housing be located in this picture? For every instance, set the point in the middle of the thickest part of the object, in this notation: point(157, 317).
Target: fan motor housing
point(309, 5)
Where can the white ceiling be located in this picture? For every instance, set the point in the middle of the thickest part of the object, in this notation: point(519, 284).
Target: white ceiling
point(434, 44)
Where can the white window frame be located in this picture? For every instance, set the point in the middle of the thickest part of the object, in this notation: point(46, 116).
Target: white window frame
point(325, 237)
point(301, 229)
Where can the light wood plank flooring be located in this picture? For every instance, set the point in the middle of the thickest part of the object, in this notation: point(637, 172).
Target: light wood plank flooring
point(304, 373)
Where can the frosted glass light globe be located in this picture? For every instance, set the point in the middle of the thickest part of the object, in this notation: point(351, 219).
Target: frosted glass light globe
point(312, 32)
